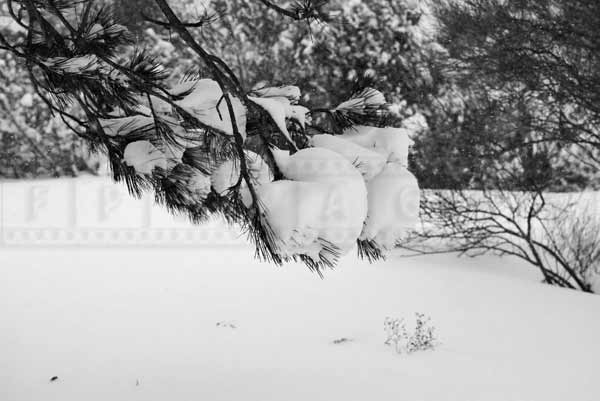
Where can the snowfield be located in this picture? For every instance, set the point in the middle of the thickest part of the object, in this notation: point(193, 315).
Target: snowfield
point(183, 318)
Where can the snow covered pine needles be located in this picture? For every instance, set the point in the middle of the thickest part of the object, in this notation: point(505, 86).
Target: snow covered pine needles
point(306, 183)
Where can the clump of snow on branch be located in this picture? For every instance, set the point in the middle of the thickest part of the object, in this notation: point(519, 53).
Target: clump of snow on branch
point(319, 209)
point(144, 157)
point(125, 125)
point(393, 143)
point(367, 161)
point(341, 189)
point(228, 175)
point(394, 198)
point(281, 104)
point(207, 103)
point(368, 98)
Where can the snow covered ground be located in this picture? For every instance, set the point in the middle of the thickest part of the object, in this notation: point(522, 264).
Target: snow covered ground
point(189, 315)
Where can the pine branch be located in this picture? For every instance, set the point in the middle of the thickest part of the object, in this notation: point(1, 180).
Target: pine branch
point(128, 108)
point(204, 20)
point(220, 77)
point(305, 10)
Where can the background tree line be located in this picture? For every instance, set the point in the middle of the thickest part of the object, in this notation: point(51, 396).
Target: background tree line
point(473, 115)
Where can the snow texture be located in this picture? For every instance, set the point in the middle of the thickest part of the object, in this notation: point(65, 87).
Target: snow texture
point(278, 108)
point(369, 98)
point(292, 93)
point(73, 65)
point(225, 176)
point(207, 104)
point(123, 126)
point(144, 157)
point(390, 142)
point(315, 165)
point(320, 207)
point(228, 174)
point(394, 198)
point(367, 161)
point(310, 218)
point(199, 185)
point(392, 191)
point(299, 114)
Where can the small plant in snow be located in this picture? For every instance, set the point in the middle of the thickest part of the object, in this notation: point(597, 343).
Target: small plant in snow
point(422, 336)
point(229, 325)
point(395, 330)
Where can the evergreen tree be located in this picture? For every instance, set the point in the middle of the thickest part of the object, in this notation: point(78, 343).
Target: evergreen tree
point(32, 142)
point(539, 61)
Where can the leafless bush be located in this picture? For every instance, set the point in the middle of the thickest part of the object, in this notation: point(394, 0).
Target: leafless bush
point(575, 236)
point(555, 233)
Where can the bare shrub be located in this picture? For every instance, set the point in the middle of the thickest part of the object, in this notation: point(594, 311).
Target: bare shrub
point(575, 237)
point(556, 233)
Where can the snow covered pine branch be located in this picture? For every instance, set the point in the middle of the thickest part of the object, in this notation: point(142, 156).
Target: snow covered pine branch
point(305, 183)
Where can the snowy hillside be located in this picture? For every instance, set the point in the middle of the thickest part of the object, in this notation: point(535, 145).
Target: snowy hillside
point(191, 316)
